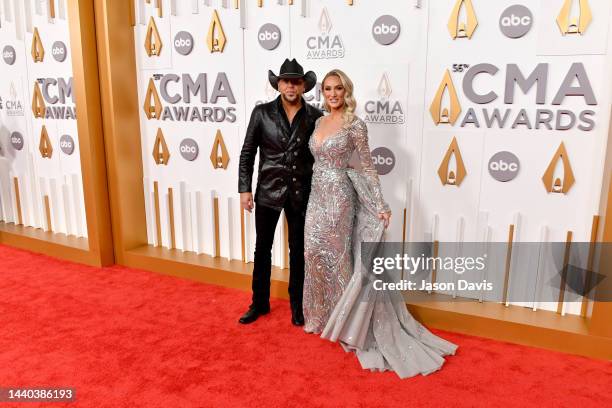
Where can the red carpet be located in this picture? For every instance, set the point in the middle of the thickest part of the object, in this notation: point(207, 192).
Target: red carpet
point(129, 338)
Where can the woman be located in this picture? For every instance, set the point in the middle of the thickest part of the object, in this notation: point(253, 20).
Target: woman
point(345, 208)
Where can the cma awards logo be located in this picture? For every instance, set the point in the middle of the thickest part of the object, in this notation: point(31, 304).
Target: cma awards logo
point(384, 110)
point(192, 99)
point(54, 92)
point(14, 106)
point(326, 45)
point(315, 96)
point(269, 92)
point(445, 108)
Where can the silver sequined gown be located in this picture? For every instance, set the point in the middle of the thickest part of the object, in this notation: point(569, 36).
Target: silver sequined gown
point(329, 220)
point(339, 300)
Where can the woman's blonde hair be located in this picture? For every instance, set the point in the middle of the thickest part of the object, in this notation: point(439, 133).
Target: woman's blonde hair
point(349, 100)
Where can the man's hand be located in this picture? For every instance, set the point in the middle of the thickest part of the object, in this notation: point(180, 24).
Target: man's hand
point(246, 201)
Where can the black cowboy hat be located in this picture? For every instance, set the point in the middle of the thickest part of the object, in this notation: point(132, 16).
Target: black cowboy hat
point(292, 69)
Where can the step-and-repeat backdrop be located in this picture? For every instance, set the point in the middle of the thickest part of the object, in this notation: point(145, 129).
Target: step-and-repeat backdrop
point(40, 168)
point(484, 117)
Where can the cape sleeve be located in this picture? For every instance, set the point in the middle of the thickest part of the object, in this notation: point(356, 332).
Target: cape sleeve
point(359, 133)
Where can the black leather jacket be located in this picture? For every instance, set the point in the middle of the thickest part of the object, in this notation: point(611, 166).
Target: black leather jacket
point(285, 161)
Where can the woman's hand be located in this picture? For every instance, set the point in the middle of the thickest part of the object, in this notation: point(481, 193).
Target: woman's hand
point(385, 216)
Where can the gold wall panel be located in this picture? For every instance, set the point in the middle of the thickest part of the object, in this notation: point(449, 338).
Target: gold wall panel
point(242, 235)
point(158, 233)
point(216, 221)
point(508, 262)
point(44, 146)
point(218, 155)
point(39, 108)
point(589, 269)
point(152, 104)
point(18, 201)
point(215, 40)
point(48, 213)
point(566, 256)
point(448, 176)
point(442, 114)
point(161, 154)
point(153, 41)
point(463, 29)
point(52, 8)
point(557, 185)
point(569, 24)
point(171, 218)
point(38, 51)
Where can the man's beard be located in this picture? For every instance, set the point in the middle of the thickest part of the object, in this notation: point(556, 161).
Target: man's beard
point(293, 100)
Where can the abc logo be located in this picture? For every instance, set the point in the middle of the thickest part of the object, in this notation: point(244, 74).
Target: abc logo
point(67, 144)
point(9, 55)
point(189, 149)
point(386, 30)
point(269, 36)
point(383, 159)
point(180, 42)
point(515, 21)
point(504, 166)
point(183, 43)
point(17, 140)
point(59, 51)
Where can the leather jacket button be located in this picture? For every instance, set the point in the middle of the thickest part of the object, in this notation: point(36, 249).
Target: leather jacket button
point(293, 167)
point(294, 179)
point(297, 192)
point(296, 153)
point(298, 139)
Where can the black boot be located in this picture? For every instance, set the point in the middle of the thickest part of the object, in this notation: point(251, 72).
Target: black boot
point(297, 315)
point(253, 314)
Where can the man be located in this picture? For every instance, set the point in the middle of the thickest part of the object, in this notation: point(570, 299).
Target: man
point(280, 130)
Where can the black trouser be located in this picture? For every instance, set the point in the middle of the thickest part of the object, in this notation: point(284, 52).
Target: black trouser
point(266, 219)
